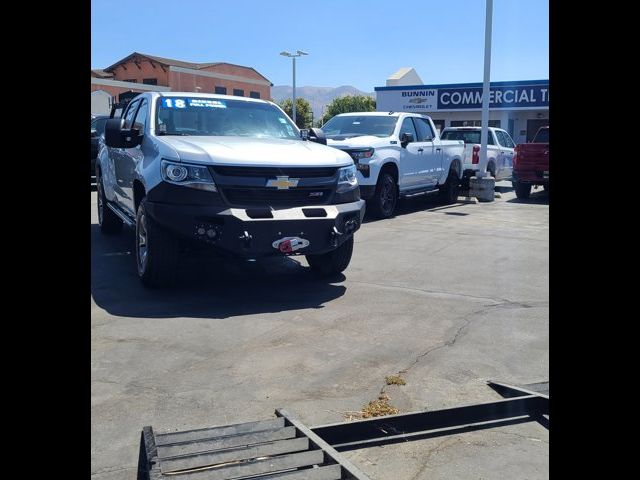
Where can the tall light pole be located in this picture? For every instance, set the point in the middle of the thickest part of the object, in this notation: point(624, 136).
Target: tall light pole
point(484, 132)
point(298, 53)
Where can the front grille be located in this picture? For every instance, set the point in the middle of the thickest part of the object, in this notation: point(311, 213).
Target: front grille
point(267, 172)
point(272, 197)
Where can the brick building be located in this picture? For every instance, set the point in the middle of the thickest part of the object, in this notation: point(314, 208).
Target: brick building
point(140, 72)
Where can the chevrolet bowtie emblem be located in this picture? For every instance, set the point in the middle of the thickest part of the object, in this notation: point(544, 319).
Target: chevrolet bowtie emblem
point(283, 183)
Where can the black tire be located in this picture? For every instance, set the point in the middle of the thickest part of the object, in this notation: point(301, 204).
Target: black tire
point(385, 198)
point(157, 251)
point(109, 222)
point(523, 190)
point(332, 262)
point(449, 191)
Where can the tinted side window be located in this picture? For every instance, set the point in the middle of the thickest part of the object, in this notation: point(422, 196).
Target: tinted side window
point(141, 117)
point(99, 126)
point(128, 116)
point(425, 133)
point(505, 139)
point(407, 127)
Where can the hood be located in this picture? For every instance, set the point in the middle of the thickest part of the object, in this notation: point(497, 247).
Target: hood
point(242, 151)
point(358, 142)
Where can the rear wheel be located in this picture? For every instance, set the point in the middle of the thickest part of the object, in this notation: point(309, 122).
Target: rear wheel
point(523, 190)
point(384, 201)
point(449, 191)
point(109, 222)
point(157, 251)
point(332, 262)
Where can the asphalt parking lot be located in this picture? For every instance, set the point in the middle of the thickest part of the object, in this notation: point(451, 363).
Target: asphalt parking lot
point(452, 296)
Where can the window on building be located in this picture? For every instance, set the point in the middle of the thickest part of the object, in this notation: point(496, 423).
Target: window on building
point(238, 92)
point(132, 80)
point(150, 81)
point(425, 133)
point(254, 94)
point(221, 90)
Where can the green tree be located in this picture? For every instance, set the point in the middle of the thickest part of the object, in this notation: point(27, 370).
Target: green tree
point(303, 111)
point(348, 103)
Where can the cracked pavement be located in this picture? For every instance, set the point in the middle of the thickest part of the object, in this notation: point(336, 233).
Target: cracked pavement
point(449, 301)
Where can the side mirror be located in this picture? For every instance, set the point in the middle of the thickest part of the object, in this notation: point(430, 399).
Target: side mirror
point(304, 134)
point(94, 133)
point(406, 138)
point(317, 135)
point(117, 137)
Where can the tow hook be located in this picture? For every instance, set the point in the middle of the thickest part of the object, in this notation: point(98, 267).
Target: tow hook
point(246, 240)
point(335, 234)
point(350, 226)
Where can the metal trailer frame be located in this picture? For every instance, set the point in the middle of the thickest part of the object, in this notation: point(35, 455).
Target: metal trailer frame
point(284, 448)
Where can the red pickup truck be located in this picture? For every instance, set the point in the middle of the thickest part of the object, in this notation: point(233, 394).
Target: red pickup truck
point(531, 164)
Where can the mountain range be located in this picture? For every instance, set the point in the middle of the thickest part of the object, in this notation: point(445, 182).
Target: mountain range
point(318, 97)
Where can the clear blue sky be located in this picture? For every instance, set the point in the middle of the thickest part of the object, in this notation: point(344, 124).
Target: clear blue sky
point(350, 42)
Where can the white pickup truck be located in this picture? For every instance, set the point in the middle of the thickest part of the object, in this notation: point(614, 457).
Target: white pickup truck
point(397, 155)
point(500, 148)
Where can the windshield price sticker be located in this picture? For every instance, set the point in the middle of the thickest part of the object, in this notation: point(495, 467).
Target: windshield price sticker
point(204, 102)
point(192, 102)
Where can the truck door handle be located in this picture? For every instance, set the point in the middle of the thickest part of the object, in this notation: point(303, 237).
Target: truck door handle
point(438, 149)
point(420, 150)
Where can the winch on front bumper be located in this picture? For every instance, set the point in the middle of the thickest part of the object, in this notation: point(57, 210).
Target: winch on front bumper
point(264, 231)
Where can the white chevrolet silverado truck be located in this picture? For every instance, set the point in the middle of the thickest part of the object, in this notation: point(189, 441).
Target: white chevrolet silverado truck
point(397, 155)
point(500, 149)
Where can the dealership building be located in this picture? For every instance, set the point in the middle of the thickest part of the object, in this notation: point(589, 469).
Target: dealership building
point(519, 107)
point(140, 72)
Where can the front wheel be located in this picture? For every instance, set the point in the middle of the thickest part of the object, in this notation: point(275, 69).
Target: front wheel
point(332, 262)
point(384, 201)
point(157, 251)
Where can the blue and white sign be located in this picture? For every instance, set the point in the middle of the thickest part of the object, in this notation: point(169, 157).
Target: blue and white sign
point(442, 98)
point(172, 102)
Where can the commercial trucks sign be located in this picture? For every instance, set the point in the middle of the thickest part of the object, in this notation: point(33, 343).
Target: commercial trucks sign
point(415, 98)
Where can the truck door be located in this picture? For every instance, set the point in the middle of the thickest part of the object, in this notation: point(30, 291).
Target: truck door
point(118, 157)
point(409, 156)
point(430, 159)
point(131, 157)
point(505, 162)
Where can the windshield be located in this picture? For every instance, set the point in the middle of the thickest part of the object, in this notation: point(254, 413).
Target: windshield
point(221, 117)
point(341, 127)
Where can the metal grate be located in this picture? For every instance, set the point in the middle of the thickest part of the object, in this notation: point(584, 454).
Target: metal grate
point(281, 448)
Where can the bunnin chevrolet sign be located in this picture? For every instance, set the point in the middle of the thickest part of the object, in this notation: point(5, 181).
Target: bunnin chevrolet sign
point(459, 97)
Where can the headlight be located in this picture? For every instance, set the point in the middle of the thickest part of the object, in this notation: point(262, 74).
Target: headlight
point(363, 153)
point(193, 176)
point(347, 179)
